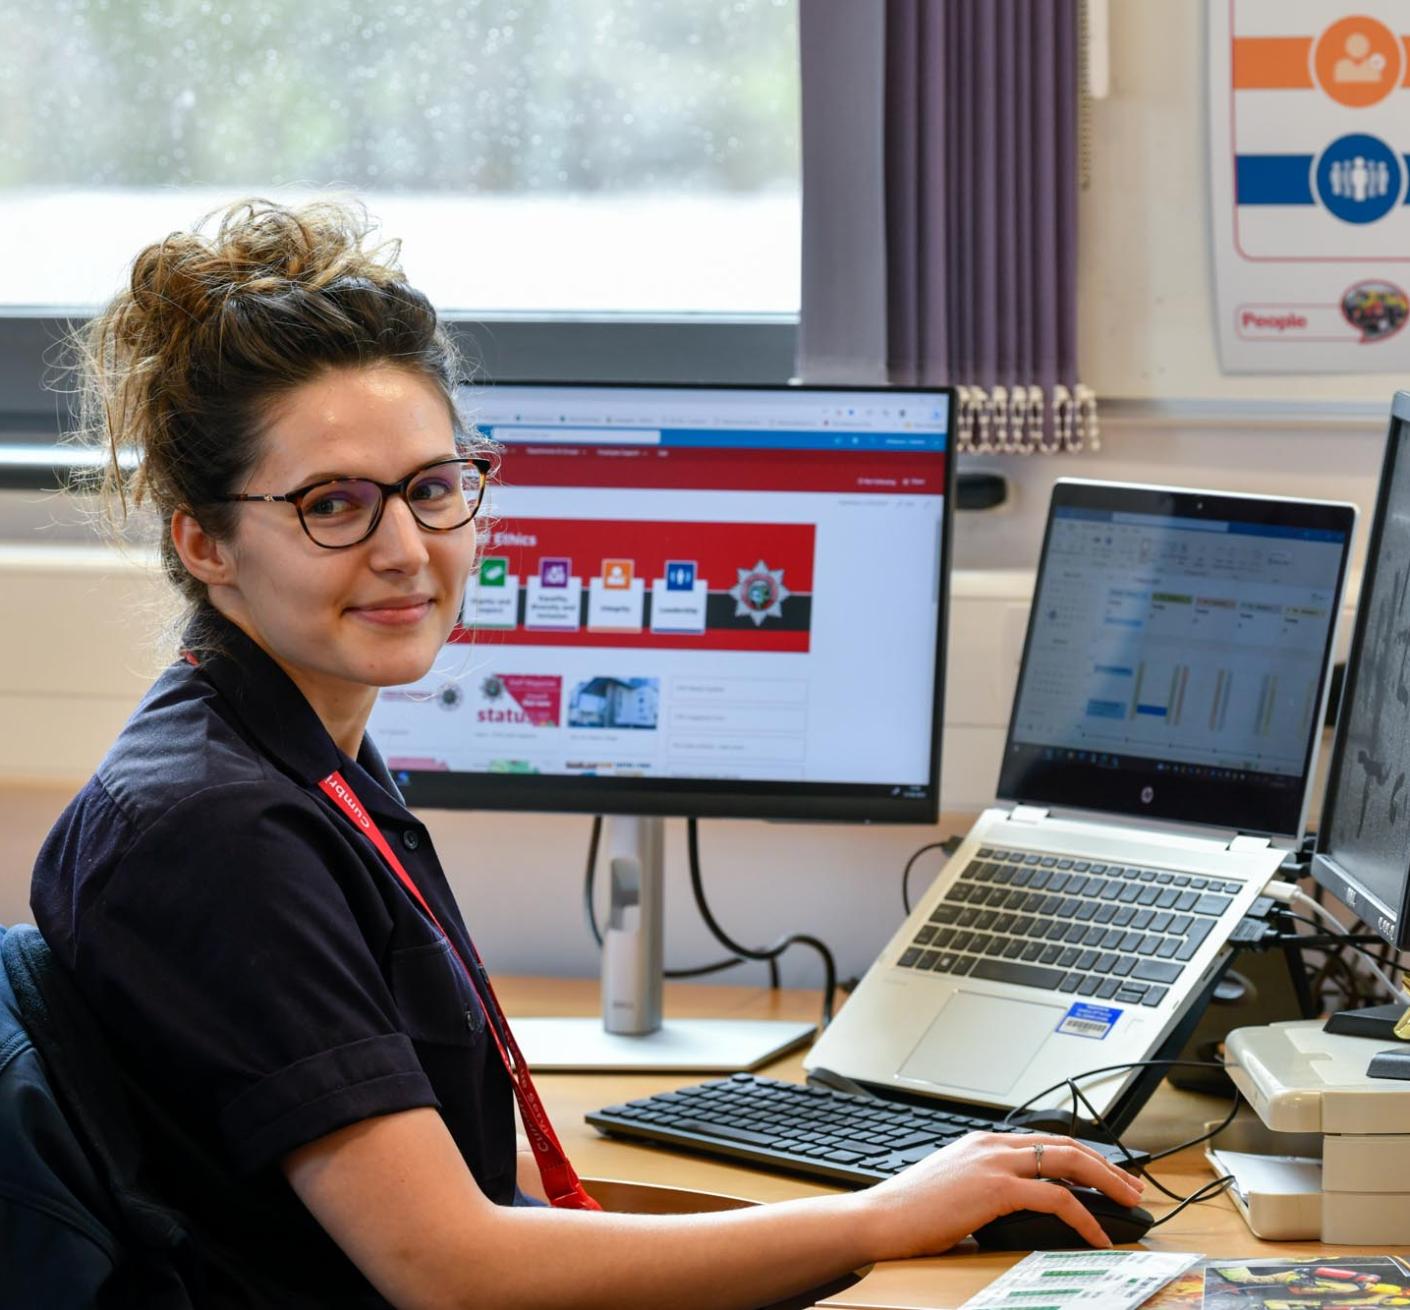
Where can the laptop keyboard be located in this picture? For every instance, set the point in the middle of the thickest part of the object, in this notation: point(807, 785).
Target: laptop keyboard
point(1110, 931)
point(825, 1134)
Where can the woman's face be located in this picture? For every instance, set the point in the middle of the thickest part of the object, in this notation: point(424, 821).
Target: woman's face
point(341, 622)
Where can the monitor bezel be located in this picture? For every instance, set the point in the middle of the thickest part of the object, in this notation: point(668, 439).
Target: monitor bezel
point(1213, 803)
point(689, 798)
point(1390, 923)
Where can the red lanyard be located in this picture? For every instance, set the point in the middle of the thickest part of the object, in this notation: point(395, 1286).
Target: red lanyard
point(559, 1181)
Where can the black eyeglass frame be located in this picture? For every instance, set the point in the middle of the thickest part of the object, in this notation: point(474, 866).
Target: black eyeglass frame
point(482, 464)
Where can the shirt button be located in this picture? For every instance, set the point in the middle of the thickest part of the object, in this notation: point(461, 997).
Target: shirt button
point(411, 839)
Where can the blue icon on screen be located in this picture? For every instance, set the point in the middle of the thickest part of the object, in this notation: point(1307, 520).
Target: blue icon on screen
point(680, 575)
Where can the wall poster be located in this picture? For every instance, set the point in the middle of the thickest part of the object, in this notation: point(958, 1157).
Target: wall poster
point(1310, 184)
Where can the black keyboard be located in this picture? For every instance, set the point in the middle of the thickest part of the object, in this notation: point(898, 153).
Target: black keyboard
point(1048, 921)
point(836, 1136)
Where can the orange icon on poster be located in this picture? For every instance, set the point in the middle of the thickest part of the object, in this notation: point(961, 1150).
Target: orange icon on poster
point(617, 574)
point(1358, 61)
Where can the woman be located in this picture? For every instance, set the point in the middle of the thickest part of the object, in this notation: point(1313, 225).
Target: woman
point(254, 917)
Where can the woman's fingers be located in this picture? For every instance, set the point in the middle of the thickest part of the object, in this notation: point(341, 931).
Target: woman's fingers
point(1059, 1201)
point(1064, 1158)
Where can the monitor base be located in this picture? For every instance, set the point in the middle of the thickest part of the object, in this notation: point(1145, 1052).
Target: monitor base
point(678, 1046)
point(1376, 1021)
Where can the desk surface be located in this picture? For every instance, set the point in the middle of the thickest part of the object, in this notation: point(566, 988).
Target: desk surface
point(1211, 1228)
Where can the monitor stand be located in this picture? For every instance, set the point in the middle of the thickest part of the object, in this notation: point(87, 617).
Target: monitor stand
point(1376, 1021)
point(631, 1035)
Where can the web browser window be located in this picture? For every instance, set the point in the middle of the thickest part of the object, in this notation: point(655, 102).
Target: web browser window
point(714, 584)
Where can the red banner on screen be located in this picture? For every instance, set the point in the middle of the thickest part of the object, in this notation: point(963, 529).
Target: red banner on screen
point(663, 585)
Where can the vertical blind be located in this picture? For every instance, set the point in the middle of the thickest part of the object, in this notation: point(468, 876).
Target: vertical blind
point(972, 108)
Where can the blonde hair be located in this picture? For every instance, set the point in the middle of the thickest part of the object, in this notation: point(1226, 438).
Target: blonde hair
point(180, 373)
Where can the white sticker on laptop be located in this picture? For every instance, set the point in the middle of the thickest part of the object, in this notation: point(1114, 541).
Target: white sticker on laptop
point(1084, 1020)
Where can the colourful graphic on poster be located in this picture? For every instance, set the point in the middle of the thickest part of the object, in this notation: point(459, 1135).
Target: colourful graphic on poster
point(1338, 1283)
point(1310, 184)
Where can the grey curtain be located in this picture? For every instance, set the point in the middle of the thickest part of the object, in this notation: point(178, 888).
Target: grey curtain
point(940, 178)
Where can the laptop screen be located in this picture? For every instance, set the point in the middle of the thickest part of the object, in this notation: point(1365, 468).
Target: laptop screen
point(1177, 653)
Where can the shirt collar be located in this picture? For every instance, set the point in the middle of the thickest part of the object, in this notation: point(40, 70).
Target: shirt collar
point(266, 701)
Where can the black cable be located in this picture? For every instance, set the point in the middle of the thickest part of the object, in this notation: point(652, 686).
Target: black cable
point(1215, 1187)
point(590, 911)
point(950, 845)
point(770, 953)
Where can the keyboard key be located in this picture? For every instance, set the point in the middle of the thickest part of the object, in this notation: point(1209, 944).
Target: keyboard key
point(1104, 962)
point(1075, 932)
point(1161, 922)
point(1004, 923)
point(1123, 966)
point(1086, 960)
point(1130, 893)
point(1149, 895)
point(1165, 879)
point(945, 914)
point(1131, 994)
point(1070, 983)
point(1067, 864)
point(961, 941)
point(1050, 861)
point(1022, 877)
point(967, 918)
point(1112, 937)
point(1059, 882)
point(1186, 901)
point(1094, 935)
point(1167, 948)
point(980, 944)
point(1014, 949)
point(1182, 879)
point(1110, 890)
point(1199, 884)
point(1211, 904)
point(1158, 971)
point(960, 893)
point(1086, 911)
point(726, 1132)
point(1130, 941)
point(1123, 916)
point(936, 937)
point(1068, 958)
point(1039, 879)
point(1033, 859)
point(1097, 868)
point(1180, 925)
point(1148, 944)
point(908, 957)
point(1107, 989)
point(1147, 875)
point(1012, 971)
point(945, 962)
point(1194, 939)
point(1105, 913)
point(1032, 951)
point(986, 853)
point(1056, 931)
point(1154, 996)
point(1089, 986)
point(1141, 920)
point(963, 965)
point(1023, 926)
point(1168, 898)
point(984, 920)
point(997, 946)
point(1050, 954)
point(927, 959)
point(1004, 874)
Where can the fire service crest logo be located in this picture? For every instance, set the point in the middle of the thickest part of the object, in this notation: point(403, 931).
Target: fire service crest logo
point(759, 594)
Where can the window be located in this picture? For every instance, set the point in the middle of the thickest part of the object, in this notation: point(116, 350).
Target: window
point(533, 155)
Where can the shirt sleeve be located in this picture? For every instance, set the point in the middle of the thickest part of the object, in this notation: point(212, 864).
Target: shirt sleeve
point(229, 954)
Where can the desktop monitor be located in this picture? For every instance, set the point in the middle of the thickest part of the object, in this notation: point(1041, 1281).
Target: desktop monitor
point(694, 601)
point(701, 601)
point(1363, 849)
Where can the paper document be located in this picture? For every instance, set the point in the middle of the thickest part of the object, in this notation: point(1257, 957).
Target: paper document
point(1056, 1280)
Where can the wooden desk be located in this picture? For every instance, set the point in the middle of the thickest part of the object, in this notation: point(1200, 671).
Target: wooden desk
point(1212, 1228)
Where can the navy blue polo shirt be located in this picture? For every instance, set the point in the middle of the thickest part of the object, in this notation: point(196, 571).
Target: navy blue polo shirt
point(262, 973)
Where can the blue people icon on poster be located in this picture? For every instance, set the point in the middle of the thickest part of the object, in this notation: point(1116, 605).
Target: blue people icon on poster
point(1359, 178)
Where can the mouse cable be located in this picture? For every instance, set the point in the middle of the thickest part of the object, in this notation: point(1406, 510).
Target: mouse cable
point(1215, 1187)
point(1077, 1094)
point(950, 845)
point(769, 953)
point(590, 912)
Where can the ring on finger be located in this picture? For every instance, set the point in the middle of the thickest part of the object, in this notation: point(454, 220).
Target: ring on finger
point(1037, 1159)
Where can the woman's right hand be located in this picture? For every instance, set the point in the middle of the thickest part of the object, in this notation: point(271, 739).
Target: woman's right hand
point(946, 1196)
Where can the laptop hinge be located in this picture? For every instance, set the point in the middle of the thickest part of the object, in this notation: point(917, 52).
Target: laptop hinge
point(1027, 814)
point(1246, 842)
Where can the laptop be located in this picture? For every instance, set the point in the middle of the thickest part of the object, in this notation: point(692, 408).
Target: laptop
point(1163, 737)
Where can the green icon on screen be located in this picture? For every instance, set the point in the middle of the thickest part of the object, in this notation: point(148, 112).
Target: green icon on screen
point(494, 571)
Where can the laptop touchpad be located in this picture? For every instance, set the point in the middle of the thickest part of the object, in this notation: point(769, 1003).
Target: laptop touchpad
point(981, 1042)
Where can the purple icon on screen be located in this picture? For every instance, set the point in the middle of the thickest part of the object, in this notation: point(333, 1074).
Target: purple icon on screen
point(554, 572)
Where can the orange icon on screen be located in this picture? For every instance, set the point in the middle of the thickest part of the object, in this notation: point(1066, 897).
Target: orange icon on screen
point(617, 574)
point(1358, 61)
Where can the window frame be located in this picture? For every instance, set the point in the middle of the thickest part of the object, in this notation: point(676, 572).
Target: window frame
point(750, 349)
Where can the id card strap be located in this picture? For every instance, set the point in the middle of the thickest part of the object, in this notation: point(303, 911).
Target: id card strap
point(559, 1179)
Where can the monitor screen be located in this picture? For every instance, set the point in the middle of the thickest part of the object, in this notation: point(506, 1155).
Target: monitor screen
point(695, 600)
point(1177, 653)
point(1363, 850)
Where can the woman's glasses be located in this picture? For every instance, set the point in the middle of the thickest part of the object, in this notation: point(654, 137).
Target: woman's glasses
point(343, 512)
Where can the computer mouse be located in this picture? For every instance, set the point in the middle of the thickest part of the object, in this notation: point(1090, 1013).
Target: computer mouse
point(1032, 1230)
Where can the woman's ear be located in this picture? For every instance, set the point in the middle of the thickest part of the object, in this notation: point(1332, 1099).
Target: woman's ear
point(206, 559)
